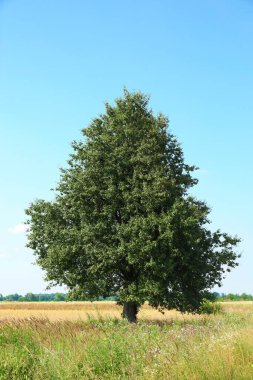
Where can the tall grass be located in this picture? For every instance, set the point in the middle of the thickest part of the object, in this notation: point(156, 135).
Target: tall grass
point(211, 347)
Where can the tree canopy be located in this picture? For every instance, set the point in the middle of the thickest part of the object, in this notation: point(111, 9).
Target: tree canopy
point(123, 221)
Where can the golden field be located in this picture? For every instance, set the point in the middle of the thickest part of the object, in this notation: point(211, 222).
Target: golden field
point(73, 311)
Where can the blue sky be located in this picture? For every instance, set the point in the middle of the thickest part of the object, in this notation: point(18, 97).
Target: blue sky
point(61, 60)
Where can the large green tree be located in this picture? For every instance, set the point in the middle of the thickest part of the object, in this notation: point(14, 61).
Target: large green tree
point(123, 221)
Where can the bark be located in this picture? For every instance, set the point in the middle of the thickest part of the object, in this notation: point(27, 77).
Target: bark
point(130, 310)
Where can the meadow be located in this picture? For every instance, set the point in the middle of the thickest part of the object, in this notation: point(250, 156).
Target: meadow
point(82, 340)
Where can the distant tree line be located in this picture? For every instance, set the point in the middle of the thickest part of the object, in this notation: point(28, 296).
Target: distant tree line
point(56, 297)
point(233, 297)
point(45, 297)
point(31, 297)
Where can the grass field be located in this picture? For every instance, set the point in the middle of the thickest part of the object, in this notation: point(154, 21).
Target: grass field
point(67, 341)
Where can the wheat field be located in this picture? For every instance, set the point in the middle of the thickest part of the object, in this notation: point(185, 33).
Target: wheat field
point(74, 311)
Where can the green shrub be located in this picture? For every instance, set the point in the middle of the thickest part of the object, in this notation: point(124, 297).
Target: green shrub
point(209, 307)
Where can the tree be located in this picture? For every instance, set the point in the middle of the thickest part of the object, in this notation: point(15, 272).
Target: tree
point(30, 297)
point(123, 221)
point(12, 297)
point(59, 297)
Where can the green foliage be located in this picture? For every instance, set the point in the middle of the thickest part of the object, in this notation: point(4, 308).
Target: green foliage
point(236, 297)
point(31, 297)
point(209, 307)
point(123, 221)
point(59, 297)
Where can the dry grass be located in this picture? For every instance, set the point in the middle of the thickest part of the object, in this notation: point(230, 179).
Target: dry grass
point(238, 306)
point(73, 311)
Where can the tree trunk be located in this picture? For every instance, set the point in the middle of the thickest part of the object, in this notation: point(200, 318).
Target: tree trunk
point(130, 310)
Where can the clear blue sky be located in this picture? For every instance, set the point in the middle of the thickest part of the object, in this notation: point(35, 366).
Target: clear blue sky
point(61, 60)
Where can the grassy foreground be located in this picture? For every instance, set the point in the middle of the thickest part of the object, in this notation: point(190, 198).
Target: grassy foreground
point(214, 347)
